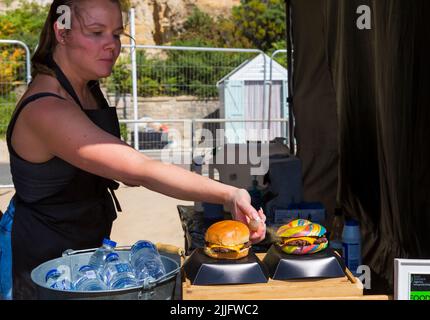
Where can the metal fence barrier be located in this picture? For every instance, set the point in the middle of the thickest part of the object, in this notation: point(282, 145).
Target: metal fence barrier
point(147, 78)
point(15, 74)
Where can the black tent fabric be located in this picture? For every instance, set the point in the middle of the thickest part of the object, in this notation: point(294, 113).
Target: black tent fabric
point(314, 104)
point(362, 108)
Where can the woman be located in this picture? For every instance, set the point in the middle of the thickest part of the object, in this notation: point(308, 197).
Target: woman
point(66, 153)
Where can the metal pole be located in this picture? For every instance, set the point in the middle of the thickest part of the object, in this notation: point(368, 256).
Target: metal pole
point(142, 46)
point(264, 93)
point(235, 120)
point(134, 76)
point(27, 56)
point(271, 79)
point(193, 126)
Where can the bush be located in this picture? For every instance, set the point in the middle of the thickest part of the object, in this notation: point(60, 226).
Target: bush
point(7, 107)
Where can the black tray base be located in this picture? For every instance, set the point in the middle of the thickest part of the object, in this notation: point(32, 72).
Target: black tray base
point(204, 270)
point(324, 264)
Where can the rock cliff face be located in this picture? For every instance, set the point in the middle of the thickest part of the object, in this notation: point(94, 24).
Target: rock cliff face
point(158, 20)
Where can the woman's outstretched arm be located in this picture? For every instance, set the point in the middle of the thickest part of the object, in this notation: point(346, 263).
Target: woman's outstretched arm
point(70, 135)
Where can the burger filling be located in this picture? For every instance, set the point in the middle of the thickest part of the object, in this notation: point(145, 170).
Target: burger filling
point(226, 249)
point(303, 241)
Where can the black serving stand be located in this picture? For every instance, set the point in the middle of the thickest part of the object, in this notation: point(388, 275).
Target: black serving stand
point(324, 264)
point(204, 270)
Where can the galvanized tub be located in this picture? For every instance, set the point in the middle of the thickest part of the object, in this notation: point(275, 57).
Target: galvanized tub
point(162, 289)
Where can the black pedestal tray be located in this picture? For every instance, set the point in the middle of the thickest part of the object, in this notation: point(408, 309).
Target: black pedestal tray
point(324, 264)
point(204, 270)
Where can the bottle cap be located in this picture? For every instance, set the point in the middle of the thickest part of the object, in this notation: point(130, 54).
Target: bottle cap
point(52, 272)
point(86, 268)
point(112, 256)
point(109, 242)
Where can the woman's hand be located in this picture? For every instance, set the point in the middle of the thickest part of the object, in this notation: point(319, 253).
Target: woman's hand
point(239, 204)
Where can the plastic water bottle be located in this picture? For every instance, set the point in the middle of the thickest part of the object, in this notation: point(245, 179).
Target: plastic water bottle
point(117, 273)
point(351, 240)
point(87, 279)
point(97, 260)
point(56, 279)
point(146, 261)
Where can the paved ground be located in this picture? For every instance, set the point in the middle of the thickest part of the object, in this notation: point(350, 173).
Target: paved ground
point(146, 214)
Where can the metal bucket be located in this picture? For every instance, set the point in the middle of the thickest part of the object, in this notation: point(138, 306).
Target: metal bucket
point(162, 289)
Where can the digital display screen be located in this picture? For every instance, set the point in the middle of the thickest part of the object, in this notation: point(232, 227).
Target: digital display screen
point(420, 287)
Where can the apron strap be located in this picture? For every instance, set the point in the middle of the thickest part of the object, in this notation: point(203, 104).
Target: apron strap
point(115, 199)
point(111, 186)
point(65, 83)
point(95, 89)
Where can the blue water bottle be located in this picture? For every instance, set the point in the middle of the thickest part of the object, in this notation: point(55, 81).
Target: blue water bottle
point(87, 279)
point(146, 261)
point(351, 240)
point(117, 273)
point(57, 279)
point(97, 259)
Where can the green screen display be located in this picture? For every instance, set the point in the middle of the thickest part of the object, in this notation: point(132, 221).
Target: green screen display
point(420, 287)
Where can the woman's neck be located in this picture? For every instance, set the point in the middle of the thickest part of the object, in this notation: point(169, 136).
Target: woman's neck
point(78, 83)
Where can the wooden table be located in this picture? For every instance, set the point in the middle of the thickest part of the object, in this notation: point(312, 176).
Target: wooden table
point(330, 288)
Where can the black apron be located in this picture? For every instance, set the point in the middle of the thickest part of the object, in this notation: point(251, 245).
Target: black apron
point(58, 206)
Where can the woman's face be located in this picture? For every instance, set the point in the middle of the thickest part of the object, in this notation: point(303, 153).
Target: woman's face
point(93, 43)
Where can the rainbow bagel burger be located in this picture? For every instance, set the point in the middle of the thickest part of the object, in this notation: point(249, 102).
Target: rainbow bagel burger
point(228, 239)
point(302, 237)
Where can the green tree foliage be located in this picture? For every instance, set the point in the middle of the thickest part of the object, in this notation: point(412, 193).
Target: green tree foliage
point(258, 23)
point(120, 80)
point(253, 24)
point(198, 27)
point(281, 57)
point(24, 23)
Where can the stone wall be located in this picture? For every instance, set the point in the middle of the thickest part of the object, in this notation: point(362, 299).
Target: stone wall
point(182, 107)
point(174, 108)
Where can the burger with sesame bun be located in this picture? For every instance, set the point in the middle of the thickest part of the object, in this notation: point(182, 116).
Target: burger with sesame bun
point(228, 239)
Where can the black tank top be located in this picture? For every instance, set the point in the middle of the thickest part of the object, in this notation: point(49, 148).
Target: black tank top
point(58, 206)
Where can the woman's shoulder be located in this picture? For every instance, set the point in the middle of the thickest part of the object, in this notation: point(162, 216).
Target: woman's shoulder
point(42, 84)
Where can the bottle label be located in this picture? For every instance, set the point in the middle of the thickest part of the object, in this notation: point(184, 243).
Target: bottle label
point(117, 268)
point(123, 267)
point(352, 256)
point(91, 274)
point(63, 284)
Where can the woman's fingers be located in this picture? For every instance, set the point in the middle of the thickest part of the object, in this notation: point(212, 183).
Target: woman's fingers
point(260, 234)
point(243, 211)
point(262, 215)
point(242, 218)
point(249, 211)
